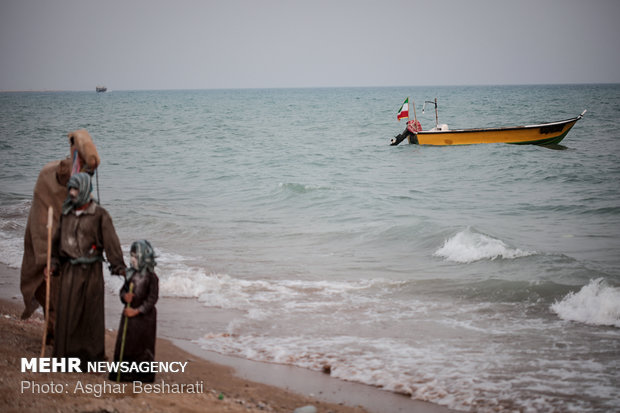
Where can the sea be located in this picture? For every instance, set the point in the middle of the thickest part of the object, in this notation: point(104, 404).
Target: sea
point(481, 277)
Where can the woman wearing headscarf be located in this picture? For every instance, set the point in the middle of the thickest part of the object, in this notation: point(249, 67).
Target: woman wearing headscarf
point(84, 232)
point(136, 341)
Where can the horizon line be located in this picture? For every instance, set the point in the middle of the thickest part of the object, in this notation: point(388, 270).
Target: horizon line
point(304, 87)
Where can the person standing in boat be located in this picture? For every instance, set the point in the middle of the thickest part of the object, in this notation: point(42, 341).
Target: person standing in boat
point(138, 326)
point(84, 232)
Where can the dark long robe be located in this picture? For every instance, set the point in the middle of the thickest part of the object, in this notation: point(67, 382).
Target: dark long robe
point(142, 329)
point(80, 321)
point(50, 190)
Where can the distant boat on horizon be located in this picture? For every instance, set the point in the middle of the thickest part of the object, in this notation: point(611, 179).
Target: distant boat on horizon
point(101, 88)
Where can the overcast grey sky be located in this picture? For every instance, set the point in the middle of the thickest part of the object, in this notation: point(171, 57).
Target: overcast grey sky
point(181, 44)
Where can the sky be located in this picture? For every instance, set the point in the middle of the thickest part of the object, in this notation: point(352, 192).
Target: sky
point(208, 44)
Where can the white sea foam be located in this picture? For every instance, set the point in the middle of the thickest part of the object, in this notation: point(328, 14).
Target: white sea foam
point(468, 246)
point(432, 371)
point(596, 303)
point(352, 358)
point(257, 297)
point(11, 250)
point(12, 226)
point(301, 188)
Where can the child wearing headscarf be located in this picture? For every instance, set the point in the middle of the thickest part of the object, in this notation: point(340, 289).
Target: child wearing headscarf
point(137, 331)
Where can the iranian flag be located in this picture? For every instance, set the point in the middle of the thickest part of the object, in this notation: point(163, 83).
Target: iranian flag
point(403, 112)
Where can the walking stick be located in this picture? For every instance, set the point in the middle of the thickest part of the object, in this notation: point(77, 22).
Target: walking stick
point(50, 218)
point(120, 357)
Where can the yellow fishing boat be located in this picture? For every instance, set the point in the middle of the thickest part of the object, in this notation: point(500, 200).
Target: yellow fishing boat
point(540, 134)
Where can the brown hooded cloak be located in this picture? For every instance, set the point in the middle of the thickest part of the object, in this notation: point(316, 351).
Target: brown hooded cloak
point(50, 190)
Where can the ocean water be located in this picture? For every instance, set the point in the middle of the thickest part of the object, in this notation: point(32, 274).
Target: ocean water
point(482, 277)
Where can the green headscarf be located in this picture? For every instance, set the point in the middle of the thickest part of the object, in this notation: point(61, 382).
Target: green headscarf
point(145, 255)
point(82, 183)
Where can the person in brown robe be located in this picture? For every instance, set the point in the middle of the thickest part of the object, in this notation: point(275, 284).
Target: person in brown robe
point(141, 291)
point(50, 190)
point(84, 232)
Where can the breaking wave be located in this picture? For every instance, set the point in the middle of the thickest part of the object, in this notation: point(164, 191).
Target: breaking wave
point(469, 246)
point(596, 303)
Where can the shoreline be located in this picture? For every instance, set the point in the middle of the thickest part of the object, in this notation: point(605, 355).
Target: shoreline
point(245, 385)
point(215, 388)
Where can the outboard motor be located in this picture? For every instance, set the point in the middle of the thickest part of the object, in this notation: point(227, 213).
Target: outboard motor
point(413, 127)
point(399, 138)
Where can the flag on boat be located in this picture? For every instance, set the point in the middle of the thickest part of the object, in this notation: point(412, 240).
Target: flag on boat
point(403, 112)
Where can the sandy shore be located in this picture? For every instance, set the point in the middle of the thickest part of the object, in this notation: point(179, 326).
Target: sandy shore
point(222, 391)
point(227, 384)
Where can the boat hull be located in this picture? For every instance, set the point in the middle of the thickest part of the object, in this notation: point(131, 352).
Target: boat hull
point(542, 134)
